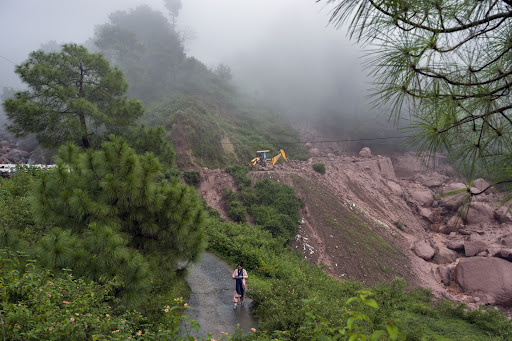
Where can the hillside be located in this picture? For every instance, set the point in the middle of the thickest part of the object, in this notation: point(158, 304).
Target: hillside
point(216, 131)
point(374, 218)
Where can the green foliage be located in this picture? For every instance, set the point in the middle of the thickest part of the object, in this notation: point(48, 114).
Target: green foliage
point(152, 139)
point(146, 47)
point(17, 227)
point(37, 305)
point(303, 302)
point(276, 208)
point(220, 132)
point(319, 167)
point(234, 208)
point(74, 96)
point(239, 173)
point(119, 216)
point(191, 177)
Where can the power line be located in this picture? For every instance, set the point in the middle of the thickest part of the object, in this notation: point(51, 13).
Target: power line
point(10, 61)
point(329, 141)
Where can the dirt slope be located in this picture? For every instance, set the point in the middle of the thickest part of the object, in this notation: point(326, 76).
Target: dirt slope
point(372, 218)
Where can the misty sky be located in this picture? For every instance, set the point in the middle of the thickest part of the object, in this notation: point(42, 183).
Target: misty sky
point(262, 40)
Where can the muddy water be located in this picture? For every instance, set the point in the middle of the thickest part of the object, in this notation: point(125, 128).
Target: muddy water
point(212, 298)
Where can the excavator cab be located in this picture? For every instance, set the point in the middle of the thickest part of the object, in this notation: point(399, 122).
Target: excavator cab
point(261, 155)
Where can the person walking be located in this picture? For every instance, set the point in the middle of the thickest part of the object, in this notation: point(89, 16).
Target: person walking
point(239, 275)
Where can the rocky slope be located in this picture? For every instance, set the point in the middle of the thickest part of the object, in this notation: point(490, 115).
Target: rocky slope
point(372, 218)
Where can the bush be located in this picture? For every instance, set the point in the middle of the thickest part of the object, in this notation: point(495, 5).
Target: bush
point(39, 305)
point(191, 177)
point(319, 167)
point(239, 174)
point(235, 210)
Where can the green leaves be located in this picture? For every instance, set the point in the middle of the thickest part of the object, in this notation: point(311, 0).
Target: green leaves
point(118, 218)
point(73, 96)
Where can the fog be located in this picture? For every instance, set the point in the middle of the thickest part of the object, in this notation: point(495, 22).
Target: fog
point(281, 52)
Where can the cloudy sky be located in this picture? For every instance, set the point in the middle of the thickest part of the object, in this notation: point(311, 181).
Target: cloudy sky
point(269, 44)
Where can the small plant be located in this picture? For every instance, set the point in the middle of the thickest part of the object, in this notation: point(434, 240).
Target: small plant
point(319, 167)
point(399, 225)
point(191, 177)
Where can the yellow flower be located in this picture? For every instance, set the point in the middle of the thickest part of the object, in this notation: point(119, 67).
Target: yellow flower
point(139, 333)
point(72, 319)
point(253, 330)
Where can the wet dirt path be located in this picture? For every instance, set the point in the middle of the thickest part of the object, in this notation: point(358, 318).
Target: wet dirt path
point(212, 298)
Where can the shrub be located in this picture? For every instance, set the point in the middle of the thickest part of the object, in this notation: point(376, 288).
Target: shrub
point(235, 210)
point(239, 174)
point(39, 305)
point(119, 213)
point(191, 177)
point(319, 167)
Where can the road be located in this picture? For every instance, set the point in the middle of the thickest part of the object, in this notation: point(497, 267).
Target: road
point(212, 298)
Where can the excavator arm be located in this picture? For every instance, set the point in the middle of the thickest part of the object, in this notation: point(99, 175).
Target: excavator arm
point(275, 158)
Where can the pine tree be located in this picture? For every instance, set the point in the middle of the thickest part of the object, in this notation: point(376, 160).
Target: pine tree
point(133, 225)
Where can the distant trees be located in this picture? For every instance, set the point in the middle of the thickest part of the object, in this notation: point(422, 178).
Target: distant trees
point(146, 47)
point(224, 72)
point(174, 7)
point(448, 64)
point(116, 219)
point(73, 96)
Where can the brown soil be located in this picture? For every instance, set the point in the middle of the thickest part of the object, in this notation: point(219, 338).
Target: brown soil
point(362, 218)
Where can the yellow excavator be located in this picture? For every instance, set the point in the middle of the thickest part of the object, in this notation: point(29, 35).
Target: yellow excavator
point(262, 160)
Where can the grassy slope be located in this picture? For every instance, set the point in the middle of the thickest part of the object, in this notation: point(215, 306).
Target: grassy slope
point(216, 131)
point(281, 279)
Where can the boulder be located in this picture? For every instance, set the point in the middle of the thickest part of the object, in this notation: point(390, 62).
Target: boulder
point(365, 152)
point(480, 213)
point(453, 201)
point(395, 188)
point(504, 254)
point(386, 167)
point(444, 273)
point(480, 184)
point(314, 151)
point(491, 277)
point(426, 213)
point(474, 247)
point(445, 256)
point(423, 250)
point(4, 144)
point(457, 245)
point(507, 240)
point(424, 197)
point(502, 215)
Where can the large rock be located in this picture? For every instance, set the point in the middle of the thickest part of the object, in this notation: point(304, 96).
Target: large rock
point(423, 250)
point(452, 201)
point(480, 184)
point(507, 240)
point(426, 213)
point(480, 213)
point(504, 254)
point(502, 215)
point(457, 245)
point(489, 276)
point(445, 256)
point(422, 196)
point(444, 273)
point(381, 165)
point(395, 188)
point(474, 247)
point(365, 152)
